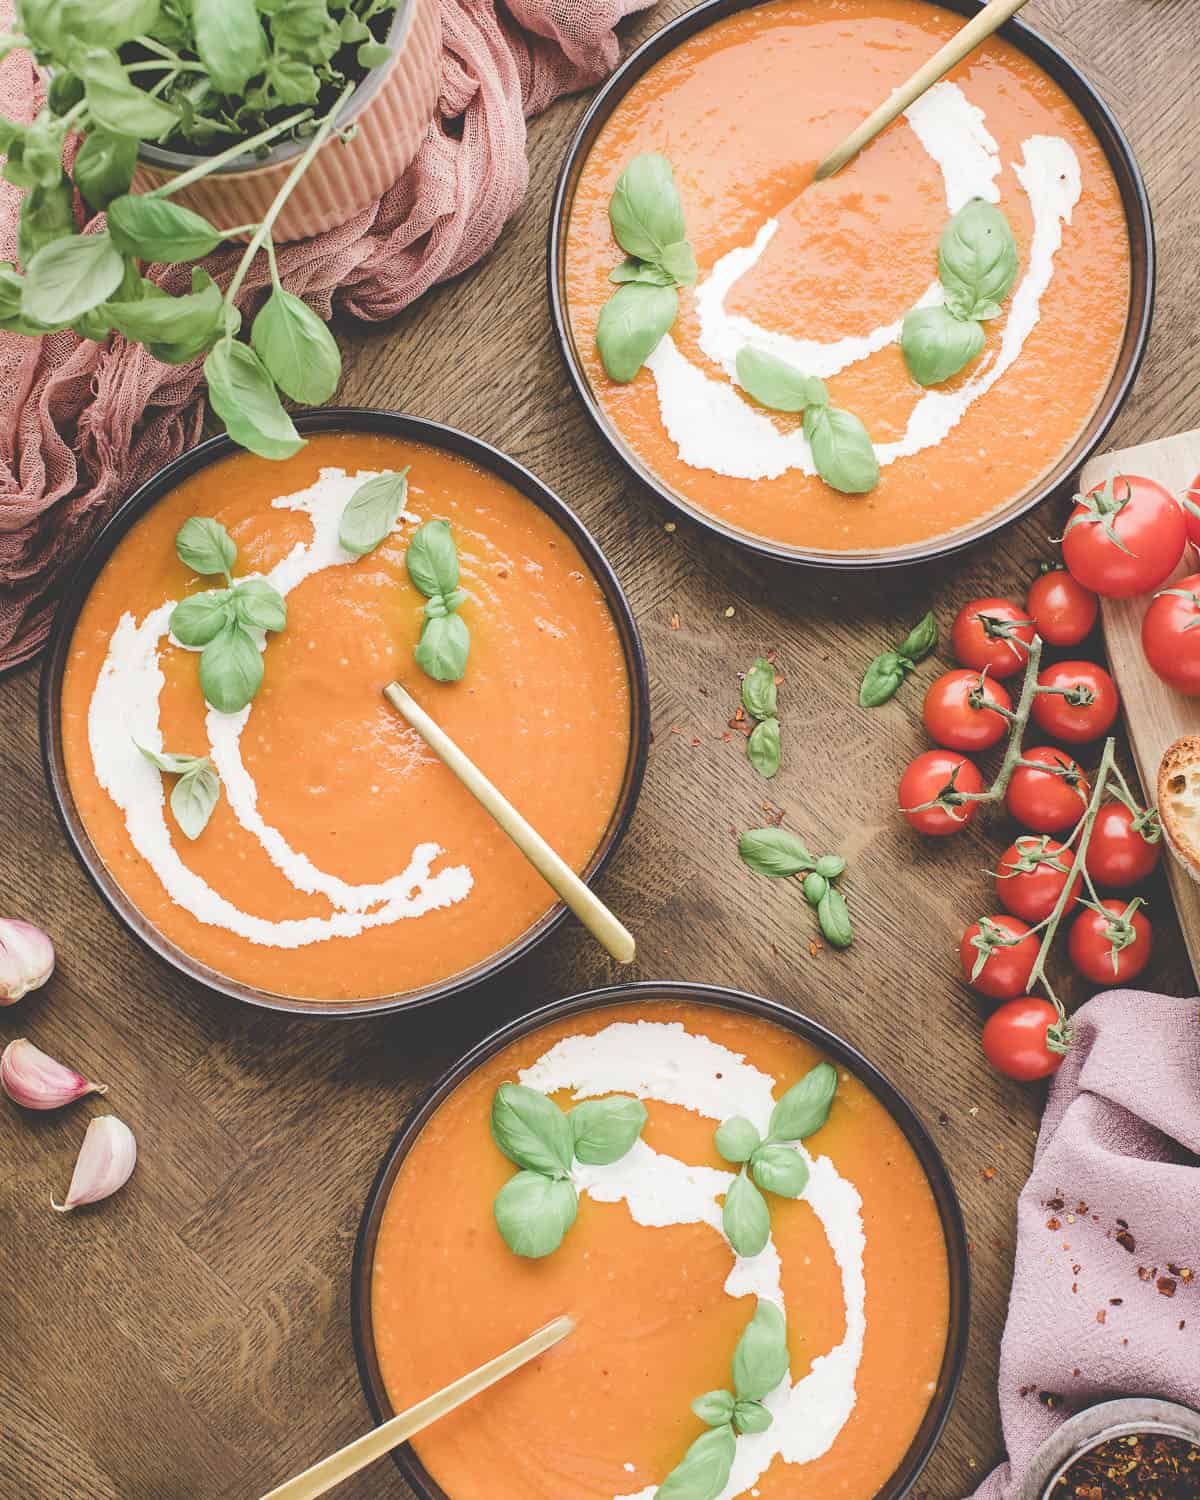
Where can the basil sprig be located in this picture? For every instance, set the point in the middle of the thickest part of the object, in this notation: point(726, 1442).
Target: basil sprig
point(646, 215)
point(222, 621)
point(779, 853)
point(432, 562)
point(890, 668)
point(195, 792)
point(535, 1208)
point(771, 1165)
point(760, 699)
point(977, 265)
point(841, 446)
point(372, 511)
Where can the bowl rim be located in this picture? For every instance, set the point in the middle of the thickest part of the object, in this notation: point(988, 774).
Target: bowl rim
point(78, 585)
point(636, 993)
point(1142, 280)
point(1104, 1420)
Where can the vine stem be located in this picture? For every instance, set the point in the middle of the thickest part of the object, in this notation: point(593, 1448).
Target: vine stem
point(1018, 723)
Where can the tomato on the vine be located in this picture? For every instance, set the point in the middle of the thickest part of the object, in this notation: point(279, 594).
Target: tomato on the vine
point(1171, 635)
point(1063, 611)
point(1016, 1037)
point(1110, 943)
point(992, 633)
point(1080, 701)
point(1192, 510)
point(1124, 537)
point(997, 956)
point(1119, 852)
point(1047, 801)
point(934, 775)
point(1031, 875)
point(956, 712)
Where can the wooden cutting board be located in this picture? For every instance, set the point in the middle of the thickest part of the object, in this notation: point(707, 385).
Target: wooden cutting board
point(1155, 714)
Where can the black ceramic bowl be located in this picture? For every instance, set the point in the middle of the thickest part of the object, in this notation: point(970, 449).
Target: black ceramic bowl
point(1137, 329)
point(337, 419)
point(702, 994)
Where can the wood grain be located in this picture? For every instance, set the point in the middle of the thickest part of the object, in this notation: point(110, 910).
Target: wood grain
point(191, 1338)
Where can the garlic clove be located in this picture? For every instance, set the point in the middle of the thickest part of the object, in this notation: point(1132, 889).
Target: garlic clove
point(104, 1163)
point(26, 958)
point(35, 1080)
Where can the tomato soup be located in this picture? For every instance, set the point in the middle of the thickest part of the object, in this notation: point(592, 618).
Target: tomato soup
point(342, 860)
point(857, 1264)
point(823, 274)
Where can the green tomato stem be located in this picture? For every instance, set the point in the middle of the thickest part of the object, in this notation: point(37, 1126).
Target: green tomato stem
point(1019, 718)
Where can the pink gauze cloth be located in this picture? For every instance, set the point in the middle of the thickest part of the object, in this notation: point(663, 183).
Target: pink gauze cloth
point(1099, 1306)
point(82, 424)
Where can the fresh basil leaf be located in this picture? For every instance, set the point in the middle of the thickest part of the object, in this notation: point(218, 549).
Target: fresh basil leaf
point(835, 919)
point(759, 694)
point(830, 866)
point(745, 1216)
point(297, 348)
point(641, 270)
point(714, 1407)
point(191, 321)
point(204, 545)
point(158, 230)
point(751, 1416)
point(814, 888)
point(172, 764)
point(533, 1213)
point(103, 169)
point(193, 798)
point(936, 345)
point(531, 1130)
point(645, 209)
point(705, 1468)
point(631, 326)
point(243, 395)
point(110, 23)
point(371, 513)
point(231, 669)
point(12, 319)
point(230, 40)
point(432, 559)
point(41, 152)
point(294, 80)
point(737, 1139)
point(779, 1169)
point(881, 679)
point(679, 261)
point(441, 652)
point(198, 618)
point(842, 449)
point(259, 604)
point(774, 852)
point(115, 102)
point(353, 28)
point(805, 1107)
point(47, 215)
point(372, 55)
point(763, 749)
point(69, 277)
point(760, 1360)
point(64, 93)
point(921, 639)
point(604, 1130)
point(776, 384)
point(977, 260)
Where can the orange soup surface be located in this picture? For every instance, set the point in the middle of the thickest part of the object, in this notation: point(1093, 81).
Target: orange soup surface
point(744, 111)
point(347, 794)
point(607, 1412)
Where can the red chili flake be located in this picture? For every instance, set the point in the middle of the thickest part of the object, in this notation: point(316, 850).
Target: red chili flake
point(1053, 1224)
point(1082, 1208)
point(1144, 1273)
point(674, 622)
point(1116, 1301)
point(1102, 1316)
point(1126, 1241)
point(771, 655)
point(1166, 1286)
point(1075, 1286)
point(1076, 1372)
point(1055, 1204)
point(1186, 1274)
point(943, 1117)
point(1172, 1268)
point(1075, 1270)
point(695, 741)
point(988, 1173)
point(726, 737)
point(814, 948)
point(1140, 1467)
point(1183, 1323)
point(675, 729)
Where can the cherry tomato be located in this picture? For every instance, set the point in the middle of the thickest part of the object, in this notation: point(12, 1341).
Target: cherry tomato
point(1031, 875)
point(1171, 635)
point(1014, 1039)
point(992, 633)
point(1124, 537)
point(1063, 611)
point(1051, 800)
point(1110, 946)
point(1119, 854)
point(1082, 706)
point(1193, 514)
point(997, 956)
point(939, 773)
point(956, 715)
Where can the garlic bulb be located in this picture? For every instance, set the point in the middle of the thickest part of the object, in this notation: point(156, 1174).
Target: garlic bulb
point(34, 1080)
point(26, 958)
point(105, 1161)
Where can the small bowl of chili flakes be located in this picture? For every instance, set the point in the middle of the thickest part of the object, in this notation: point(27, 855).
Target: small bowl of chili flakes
point(1138, 1448)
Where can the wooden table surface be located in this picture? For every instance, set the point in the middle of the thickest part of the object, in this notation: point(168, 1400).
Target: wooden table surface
point(192, 1337)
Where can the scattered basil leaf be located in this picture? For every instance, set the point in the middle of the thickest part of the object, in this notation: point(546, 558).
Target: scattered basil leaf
point(230, 40)
point(70, 276)
point(705, 1468)
point(116, 103)
point(198, 618)
point(804, 1108)
point(831, 866)
point(815, 886)
point(759, 694)
point(231, 669)
point(645, 209)
point(679, 262)
point(881, 679)
point(835, 919)
point(193, 798)
point(441, 652)
point(604, 1130)
point(751, 1416)
point(763, 748)
point(760, 1360)
point(936, 345)
point(737, 1139)
point(531, 1130)
point(779, 1169)
point(297, 347)
point(204, 545)
point(158, 230)
point(257, 603)
point(774, 852)
point(243, 395)
point(633, 269)
point(745, 1217)
point(373, 510)
point(173, 764)
point(714, 1407)
point(921, 639)
point(776, 384)
point(977, 260)
point(842, 449)
point(631, 326)
point(534, 1212)
point(432, 559)
point(103, 168)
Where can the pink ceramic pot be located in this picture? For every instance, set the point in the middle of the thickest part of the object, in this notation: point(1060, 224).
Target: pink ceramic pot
point(392, 108)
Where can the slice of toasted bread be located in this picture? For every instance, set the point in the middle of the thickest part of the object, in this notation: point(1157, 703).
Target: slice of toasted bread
point(1179, 801)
